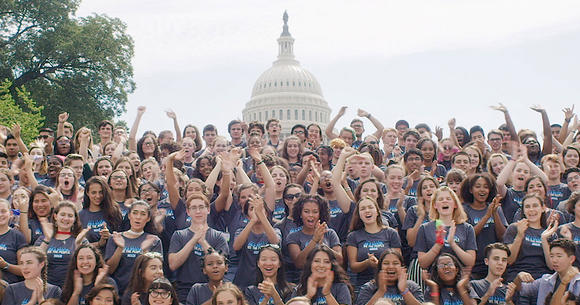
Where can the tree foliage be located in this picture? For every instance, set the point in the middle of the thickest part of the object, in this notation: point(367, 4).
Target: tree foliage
point(30, 120)
point(78, 65)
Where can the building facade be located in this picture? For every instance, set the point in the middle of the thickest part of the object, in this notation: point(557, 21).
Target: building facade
point(287, 91)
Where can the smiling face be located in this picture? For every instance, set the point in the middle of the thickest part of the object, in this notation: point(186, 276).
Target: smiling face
point(118, 180)
point(293, 192)
point(536, 186)
point(395, 179)
point(480, 190)
point(214, 266)
point(30, 266)
point(293, 148)
point(190, 133)
point(533, 209)
point(571, 158)
point(392, 266)
point(104, 168)
point(41, 205)
point(65, 219)
point(413, 163)
point(86, 261)
point(310, 214)
point(552, 169)
point(269, 263)
point(428, 150)
point(153, 270)
point(446, 269)
point(104, 297)
point(95, 193)
point(473, 157)
point(573, 181)
point(321, 264)
point(368, 211)
point(138, 217)
point(148, 146)
point(445, 204)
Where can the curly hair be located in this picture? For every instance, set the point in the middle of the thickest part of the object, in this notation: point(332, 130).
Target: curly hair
point(324, 211)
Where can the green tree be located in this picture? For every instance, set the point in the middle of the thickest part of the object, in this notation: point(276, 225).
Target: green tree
point(78, 65)
point(10, 113)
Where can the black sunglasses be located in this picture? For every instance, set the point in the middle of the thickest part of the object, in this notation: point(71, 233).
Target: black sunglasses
point(292, 196)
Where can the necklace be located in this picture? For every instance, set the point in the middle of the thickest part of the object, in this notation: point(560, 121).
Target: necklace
point(64, 233)
point(135, 233)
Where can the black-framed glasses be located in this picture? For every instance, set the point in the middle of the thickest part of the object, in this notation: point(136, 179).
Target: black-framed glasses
point(292, 196)
point(156, 293)
point(373, 142)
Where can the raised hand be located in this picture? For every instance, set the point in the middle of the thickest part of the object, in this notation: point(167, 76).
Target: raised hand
point(170, 114)
point(342, 110)
point(522, 226)
point(102, 273)
point(451, 123)
point(362, 113)
point(494, 285)
point(311, 287)
point(148, 243)
point(78, 281)
point(319, 231)
point(565, 232)
point(141, 110)
point(402, 282)
point(568, 113)
point(451, 235)
point(500, 107)
point(119, 239)
point(267, 288)
point(16, 130)
point(328, 280)
point(373, 260)
point(538, 108)
point(63, 117)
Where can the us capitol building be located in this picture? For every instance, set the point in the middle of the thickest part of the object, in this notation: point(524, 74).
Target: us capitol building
point(287, 91)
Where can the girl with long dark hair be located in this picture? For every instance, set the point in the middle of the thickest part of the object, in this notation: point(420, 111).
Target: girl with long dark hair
point(272, 286)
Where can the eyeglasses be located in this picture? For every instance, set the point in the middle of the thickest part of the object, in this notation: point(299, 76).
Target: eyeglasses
point(448, 265)
point(292, 196)
point(66, 175)
point(164, 294)
point(42, 137)
point(118, 177)
point(149, 190)
point(197, 207)
point(573, 178)
point(356, 126)
point(373, 142)
point(495, 139)
point(298, 132)
point(63, 141)
point(149, 144)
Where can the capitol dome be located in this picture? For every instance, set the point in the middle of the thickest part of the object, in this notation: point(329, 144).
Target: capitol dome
point(287, 91)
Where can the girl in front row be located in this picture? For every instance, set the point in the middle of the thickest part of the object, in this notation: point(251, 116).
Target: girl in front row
point(34, 289)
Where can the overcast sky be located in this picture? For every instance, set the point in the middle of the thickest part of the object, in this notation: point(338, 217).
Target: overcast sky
point(424, 61)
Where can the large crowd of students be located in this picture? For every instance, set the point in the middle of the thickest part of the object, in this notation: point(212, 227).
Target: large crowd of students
point(401, 216)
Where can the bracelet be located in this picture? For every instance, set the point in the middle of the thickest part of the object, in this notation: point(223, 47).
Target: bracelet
point(261, 162)
point(5, 267)
point(44, 241)
point(434, 294)
point(405, 292)
point(567, 121)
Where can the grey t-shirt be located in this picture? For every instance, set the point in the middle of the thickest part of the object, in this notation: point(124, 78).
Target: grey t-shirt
point(340, 221)
point(531, 255)
point(410, 221)
point(131, 251)
point(95, 222)
point(556, 194)
point(255, 296)
point(246, 275)
point(464, 237)
point(575, 231)
point(198, 294)
point(480, 287)
point(485, 237)
point(87, 288)
point(59, 254)
point(371, 243)
point(10, 242)
point(190, 272)
point(302, 240)
point(393, 294)
point(17, 293)
point(339, 291)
